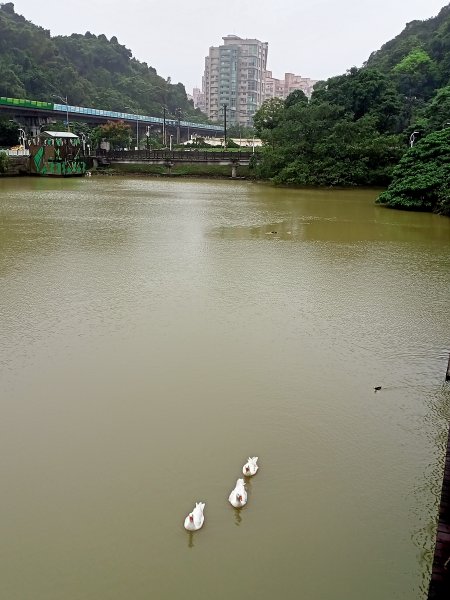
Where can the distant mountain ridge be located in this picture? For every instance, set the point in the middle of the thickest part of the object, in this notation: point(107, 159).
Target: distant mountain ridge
point(90, 70)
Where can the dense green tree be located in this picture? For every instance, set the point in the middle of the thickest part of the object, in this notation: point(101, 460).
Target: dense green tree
point(117, 133)
point(416, 74)
point(421, 181)
point(268, 116)
point(4, 160)
point(323, 146)
point(9, 135)
point(357, 126)
point(437, 111)
point(296, 97)
point(431, 36)
point(363, 91)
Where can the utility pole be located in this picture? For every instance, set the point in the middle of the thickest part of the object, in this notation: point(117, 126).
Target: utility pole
point(137, 132)
point(137, 127)
point(64, 99)
point(164, 126)
point(225, 126)
point(178, 113)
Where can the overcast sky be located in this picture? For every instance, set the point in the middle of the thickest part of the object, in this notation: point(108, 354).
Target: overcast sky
point(313, 38)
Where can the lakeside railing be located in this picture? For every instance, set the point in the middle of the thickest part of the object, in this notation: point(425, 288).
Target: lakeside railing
point(9, 152)
point(179, 155)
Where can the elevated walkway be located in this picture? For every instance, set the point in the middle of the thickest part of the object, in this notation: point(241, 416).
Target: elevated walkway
point(170, 158)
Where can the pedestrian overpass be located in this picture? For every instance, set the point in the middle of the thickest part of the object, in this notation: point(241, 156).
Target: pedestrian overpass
point(169, 158)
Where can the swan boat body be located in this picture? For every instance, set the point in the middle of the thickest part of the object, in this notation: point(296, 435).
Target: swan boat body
point(251, 467)
point(238, 497)
point(196, 518)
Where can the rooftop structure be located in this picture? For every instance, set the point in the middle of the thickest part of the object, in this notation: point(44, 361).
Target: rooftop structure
point(59, 134)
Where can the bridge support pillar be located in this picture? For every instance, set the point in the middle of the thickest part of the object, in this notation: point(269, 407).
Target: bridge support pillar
point(34, 124)
point(233, 171)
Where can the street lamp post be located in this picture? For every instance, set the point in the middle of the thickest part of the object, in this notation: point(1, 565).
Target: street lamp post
point(178, 113)
point(225, 126)
point(164, 127)
point(137, 127)
point(83, 142)
point(22, 137)
point(170, 142)
point(64, 99)
point(412, 138)
point(137, 132)
point(148, 133)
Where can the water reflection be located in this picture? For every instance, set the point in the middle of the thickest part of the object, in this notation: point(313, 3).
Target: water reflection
point(238, 512)
point(237, 516)
point(35, 225)
point(308, 218)
point(248, 482)
point(190, 539)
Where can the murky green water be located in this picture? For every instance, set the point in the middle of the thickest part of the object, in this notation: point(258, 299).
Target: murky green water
point(154, 335)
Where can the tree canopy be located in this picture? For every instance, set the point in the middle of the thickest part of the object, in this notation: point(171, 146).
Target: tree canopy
point(356, 126)
point(8, 133)
point(421, 180)
point(117, 133)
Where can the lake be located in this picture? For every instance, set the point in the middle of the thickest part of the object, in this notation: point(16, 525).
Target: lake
point(157, 332)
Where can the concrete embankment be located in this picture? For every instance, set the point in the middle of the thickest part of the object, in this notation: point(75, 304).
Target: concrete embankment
point(16, 165)
point(440, 576)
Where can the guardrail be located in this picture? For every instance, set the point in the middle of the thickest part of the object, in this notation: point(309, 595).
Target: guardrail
point(15, 152)
point(178, 155)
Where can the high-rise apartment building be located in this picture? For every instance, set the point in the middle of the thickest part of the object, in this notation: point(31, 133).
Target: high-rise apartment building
point(281, 88)
point(273, 88)
point(198, 98)
point(234, 76)
point(297, 82)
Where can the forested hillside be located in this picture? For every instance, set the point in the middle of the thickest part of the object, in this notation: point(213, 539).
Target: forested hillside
point(90, 70)
point(357, 126)
point(432, 36)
